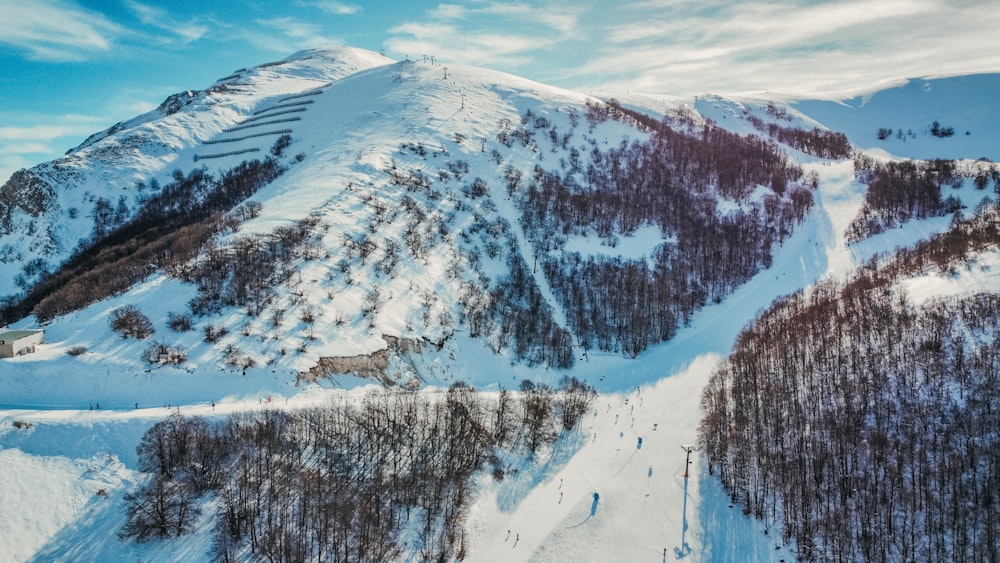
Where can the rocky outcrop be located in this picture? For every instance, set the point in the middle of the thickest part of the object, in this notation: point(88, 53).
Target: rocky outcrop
point(363, 365)
point(24, 192)
point(374, 365)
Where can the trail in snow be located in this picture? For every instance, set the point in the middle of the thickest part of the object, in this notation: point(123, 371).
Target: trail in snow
point(640, 511)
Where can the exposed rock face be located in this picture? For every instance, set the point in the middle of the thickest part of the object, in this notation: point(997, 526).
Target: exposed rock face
point(175, 102)
point(26, 192)
point(364, 365)
point(374, 365)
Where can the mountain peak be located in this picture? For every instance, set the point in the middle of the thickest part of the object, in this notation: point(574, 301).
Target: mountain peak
point(340, 53)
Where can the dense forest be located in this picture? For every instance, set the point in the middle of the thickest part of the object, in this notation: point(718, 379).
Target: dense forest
point(523, 321)
point(817, 142)
point(862, 423)
point(678, 180)
point(902, 190)
point(346, 481)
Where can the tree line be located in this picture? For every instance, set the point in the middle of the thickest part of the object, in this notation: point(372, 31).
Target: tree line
point(247, 272)
point(815, 141)
point(901, 190)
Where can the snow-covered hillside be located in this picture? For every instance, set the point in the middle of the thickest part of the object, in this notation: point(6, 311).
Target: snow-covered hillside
point(356, 133)
point(58, 202)
point(963, 104)
point(363, 132)
point(906, 112)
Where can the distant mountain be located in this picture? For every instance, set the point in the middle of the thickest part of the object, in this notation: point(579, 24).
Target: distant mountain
point(901, 120)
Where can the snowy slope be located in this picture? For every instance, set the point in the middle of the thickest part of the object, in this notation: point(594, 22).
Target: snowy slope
point(343, 182)
point(148, 148)
point(365, 114)
point(642, 490)
point(965, 103)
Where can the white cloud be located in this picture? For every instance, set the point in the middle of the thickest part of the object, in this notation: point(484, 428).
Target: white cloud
point(13, 135)
point(697, 46)
point(27, 148)
point(283, 35)
point(336, 8)
point(449, 11)
point(505, 35)
point(448, 42)
point(682, 47)
point(298, 33)
point(561, 18)
point(37, 138)
point(54, 30)
point(189, 31)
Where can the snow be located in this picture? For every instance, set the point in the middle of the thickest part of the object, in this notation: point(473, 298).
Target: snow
point(639, 515)
point(152, 146)
point(982, 271)
point(965, 103)
point(352, 131)
point(42, 494)
point(640, 245)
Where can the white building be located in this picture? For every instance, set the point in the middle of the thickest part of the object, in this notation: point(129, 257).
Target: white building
point(19, 342)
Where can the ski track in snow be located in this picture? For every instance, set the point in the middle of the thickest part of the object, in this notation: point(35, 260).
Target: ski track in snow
point(87, 414)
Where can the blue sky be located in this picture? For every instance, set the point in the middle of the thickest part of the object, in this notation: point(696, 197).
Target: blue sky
point(69, 68)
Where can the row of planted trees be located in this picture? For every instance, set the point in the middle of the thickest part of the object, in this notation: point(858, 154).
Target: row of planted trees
point(344, 482)
point(864, 424)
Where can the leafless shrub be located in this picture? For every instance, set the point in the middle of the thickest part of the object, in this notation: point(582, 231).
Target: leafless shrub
point(163, 354)
point(130, 322)
point(214, 333)
point(179, 322)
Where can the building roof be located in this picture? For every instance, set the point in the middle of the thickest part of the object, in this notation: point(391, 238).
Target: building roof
point(18, 334)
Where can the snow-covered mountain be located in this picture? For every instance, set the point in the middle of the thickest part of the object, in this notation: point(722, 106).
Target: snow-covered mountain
point(48, 211)
point(424, 225)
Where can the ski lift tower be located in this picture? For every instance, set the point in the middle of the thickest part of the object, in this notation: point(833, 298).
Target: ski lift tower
point(684, 549)
point(688, 448)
